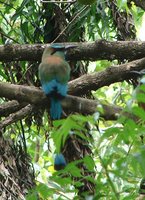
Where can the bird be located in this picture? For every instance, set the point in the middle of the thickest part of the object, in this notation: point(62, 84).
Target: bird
point(54, 74)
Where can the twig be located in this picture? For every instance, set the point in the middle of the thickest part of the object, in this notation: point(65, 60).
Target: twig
point(37, 150)
point(108, 177)
point(10, 107)
point(16, 116)
point(23, 136)
point(84, 8)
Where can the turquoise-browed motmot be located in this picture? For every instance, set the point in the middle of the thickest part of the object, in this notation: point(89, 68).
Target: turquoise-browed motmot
point(54, 73)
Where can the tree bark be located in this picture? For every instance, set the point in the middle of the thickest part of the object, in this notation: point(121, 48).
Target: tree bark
point(113, 74)
point(99, 50)
point(35, 96)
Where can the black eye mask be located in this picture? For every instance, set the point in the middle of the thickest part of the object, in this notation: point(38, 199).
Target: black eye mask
point(55, 50)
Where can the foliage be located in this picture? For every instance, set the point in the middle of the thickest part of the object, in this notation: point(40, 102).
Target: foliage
point(119, 157)
point(118, 151)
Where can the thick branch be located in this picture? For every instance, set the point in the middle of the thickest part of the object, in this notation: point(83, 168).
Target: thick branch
point(106, 77)
point(85, 106)
point(35, 96)
point(81, 85)
point(98, 50)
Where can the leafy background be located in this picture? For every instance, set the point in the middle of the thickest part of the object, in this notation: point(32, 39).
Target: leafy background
point(118, 153)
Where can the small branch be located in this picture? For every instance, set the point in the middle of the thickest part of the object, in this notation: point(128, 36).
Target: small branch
point(37, 150)
point(99, 50)
point(85, 106)
point(16, 116)
point(10, 107)
point(108, 177)
point(77, 15)
point(21, 93)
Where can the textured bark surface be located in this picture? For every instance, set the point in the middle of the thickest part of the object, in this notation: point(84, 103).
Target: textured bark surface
point(79, 86)
point(113, 74)
point(35, 96)
point(10, 107)
point(99, 50)
point(16, 174)
point(16, 116)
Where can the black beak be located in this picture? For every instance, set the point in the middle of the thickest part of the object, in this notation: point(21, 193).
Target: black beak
point(70, 46)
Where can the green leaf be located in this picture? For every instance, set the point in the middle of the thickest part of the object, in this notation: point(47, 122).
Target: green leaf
point(19, 10)
point(3, 75)
point(73, 170)
point(139, 112)
point(44, 190)
point(89, 162)
point(32, 196)
point(25, 31)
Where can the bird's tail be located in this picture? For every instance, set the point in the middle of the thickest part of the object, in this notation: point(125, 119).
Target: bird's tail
point(55, 108)
point(59, 162)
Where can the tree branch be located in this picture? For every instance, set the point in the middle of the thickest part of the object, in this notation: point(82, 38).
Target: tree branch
point(78, 86)
point(10, 107)
point(81, 85)
point(98, 50)
point(35, 96)
point(113, 74)
point(16, 116)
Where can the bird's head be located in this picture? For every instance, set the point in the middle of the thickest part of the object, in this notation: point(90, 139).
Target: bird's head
point(53, 48)
point(57, 49)
point(60, 47)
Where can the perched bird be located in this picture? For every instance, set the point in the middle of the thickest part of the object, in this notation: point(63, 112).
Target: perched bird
point(54, 73)
point(59, 162)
